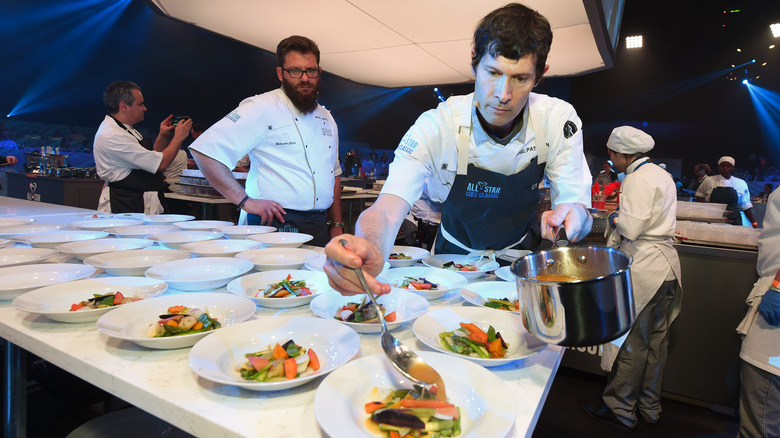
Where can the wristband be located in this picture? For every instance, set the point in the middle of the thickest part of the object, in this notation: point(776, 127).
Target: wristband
point(776, 285)
point(335, 224)
point(243, 201)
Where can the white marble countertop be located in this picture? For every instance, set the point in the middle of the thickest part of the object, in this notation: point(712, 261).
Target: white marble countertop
point(161, 382)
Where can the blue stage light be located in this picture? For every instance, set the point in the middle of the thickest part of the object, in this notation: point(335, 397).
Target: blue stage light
point(767, 106)
point(745, 81)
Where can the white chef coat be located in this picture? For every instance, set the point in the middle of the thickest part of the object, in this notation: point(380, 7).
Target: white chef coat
point(293, 156)
point(429, 149)
point(761, 345)
point(117, 152)
point(709, 183)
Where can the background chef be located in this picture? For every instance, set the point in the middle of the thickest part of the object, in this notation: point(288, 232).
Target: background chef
point(730, 190)
point(484, 155)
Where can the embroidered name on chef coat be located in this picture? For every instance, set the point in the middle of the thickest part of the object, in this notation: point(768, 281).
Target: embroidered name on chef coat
point(526, 150)
point(482, 190)
point(408, 145)
point(233, 117)
point(326, 129)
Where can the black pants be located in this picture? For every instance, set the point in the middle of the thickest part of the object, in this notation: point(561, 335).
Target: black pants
point(313, 222)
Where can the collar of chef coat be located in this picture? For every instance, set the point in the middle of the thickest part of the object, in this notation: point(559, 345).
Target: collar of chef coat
point(632, 167)
point(481, 137)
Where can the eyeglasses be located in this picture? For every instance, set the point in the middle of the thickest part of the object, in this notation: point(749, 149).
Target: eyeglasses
point(297, 73)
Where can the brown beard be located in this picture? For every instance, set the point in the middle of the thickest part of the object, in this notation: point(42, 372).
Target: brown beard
point(305, 103)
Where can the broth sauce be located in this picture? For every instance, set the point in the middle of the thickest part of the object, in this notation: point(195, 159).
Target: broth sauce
point(422, 371)
point(557, 278)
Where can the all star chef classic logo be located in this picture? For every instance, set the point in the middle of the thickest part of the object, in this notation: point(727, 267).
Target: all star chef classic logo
point(482, 190)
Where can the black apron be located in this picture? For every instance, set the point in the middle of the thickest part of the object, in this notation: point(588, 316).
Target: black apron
point(127, 194)
point(313, 222)
point(728, 196)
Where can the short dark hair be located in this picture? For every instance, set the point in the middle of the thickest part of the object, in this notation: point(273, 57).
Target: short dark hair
point(197, 127)
point(296, 43)
point(119, 91)
point(513, 31)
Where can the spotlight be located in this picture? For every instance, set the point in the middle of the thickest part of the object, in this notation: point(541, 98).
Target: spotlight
point(754, 61)
point(745, 81)
point(436, 89)
point(775, 28)
point(634, 42)
point(739, 50)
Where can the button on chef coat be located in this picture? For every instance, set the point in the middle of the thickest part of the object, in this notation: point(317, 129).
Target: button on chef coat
point(293, 156)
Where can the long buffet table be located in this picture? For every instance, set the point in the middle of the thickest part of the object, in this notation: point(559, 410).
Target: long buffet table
point(161, 383)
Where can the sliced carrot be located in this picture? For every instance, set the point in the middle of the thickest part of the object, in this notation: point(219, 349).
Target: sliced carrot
point(118, 298)
point(496, 348)
point(258, 362)
point(394, 434)
point(449, 411)
point(198, 325)
point(373, 406)
point(421, 286)
point(314, 361)
point(175, 309)
point(172, 323)
point(290, 368)
point(75, 307)
point(390, 317)
point(281, 293)
point(411, 403)
point(279, 352)
point(289, 277)
point(475, 333)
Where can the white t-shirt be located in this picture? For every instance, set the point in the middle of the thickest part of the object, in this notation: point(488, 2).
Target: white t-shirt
point(294, 156)
point(429, 150)
point(709, 183)
point(174, 169)
point(117, 152)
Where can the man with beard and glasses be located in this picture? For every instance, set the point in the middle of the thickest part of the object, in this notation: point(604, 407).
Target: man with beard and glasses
point(483, 156)
point(292, 142)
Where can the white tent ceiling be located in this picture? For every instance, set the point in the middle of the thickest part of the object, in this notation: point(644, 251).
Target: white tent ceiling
point(396, 43)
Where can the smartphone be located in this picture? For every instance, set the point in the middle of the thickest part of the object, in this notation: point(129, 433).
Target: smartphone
point(176, 119)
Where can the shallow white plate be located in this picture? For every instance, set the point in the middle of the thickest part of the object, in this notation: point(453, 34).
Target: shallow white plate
point(5, 242)
point(19, 230)
point(23, 256)
point(86, 248)
point(317, 262)
point(55, 301)
point(414, 252)
point(445, 280)
point(200, 274)
point(250, 285)
point(17, 280)
point(175, 239)
point(141, 230)
point(163, 219)
point(216, 357)
point(134, 261)
point(50, 239)
point(519, 342)
point(478, 293)
point(438, 260)
point(219, 247)
point(13, 220)
point(267, 259)
point(101, 224)
point(487, 407)
point(131, 322)
point(202, 225)
point(242, 231)
point(505, 273)
point(406, 305)
point(289, 240)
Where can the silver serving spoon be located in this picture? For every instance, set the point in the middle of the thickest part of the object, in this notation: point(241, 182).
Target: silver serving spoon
point(403, 359)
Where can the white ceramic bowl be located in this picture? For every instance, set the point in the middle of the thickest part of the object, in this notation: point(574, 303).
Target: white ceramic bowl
point(202, 225)
point(54, 301)
point(242, 231)
point(479, 292)
point(131, 322)
point(141, 230)
point(445, 280)
point(288, 240)
point(505, 273)
point(407, 306)
point(267, 259)
point(14, 220)
point(175, 239)
point(134, 261)
point(6, 242)
point(439, 260)
point(203, 273)
point(414, 252)
point(53, 238)
point(24, 229)
point(250, 285)
point(86, 248)
point(166, 219)
point(20, 279)
point(520, 343)
point(216, 357)
point(487, 405)
point(220, 247)
point(23, 256)
point(101, 224)
point(317, 263)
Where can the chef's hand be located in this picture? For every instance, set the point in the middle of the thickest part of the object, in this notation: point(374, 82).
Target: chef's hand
point(182, 129)
point(166, 126)
point(359, 253)
point(267, 210)
point(770, 307)
point(575, 217)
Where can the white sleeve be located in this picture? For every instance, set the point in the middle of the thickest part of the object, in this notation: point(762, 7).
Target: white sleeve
point(567, 169)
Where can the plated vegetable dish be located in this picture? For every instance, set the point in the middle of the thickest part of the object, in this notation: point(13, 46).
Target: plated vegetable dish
point(181, 320)
point(503, 304)
point(414, 283)
point(399, 256)
point(414, 413)
point(458, 267)
point(285, 288)
point(279, 362)
point(100, 301)
point(470, 340)
point(363, 311)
